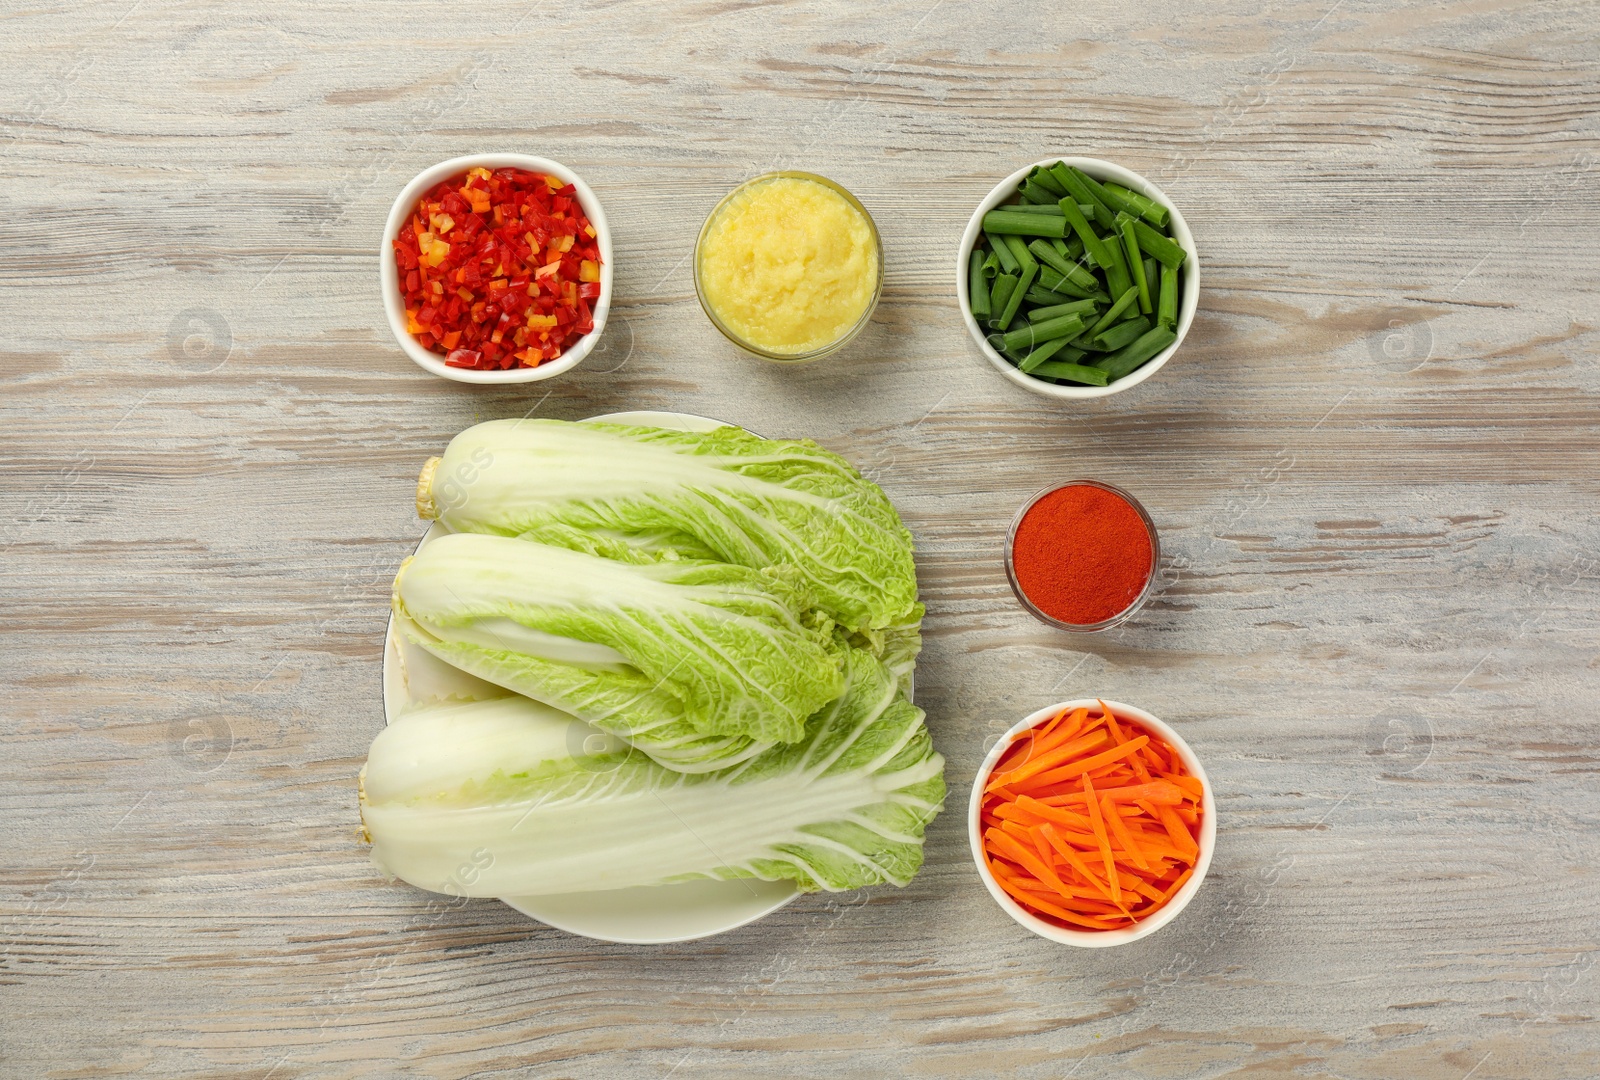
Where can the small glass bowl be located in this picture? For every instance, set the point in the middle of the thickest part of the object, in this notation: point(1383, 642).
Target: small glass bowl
point(756, 350)
point(1120, 617)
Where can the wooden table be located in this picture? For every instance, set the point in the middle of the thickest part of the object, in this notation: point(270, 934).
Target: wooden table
point(1373, 465)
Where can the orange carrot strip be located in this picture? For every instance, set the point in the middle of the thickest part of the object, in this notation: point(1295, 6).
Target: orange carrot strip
point(1156, 757)
point(1021, 880)
point(1018, 753)
point(1183, 879)
point(1079, 768)
point(1056, 737)
point(1186, 782)
point(1099, 825)
point(1045, 761)
point(1046, 855)
point(1108, 811)
point(1074, 859)
point(1028, 900)
point(1045, 727)
point(1156, 791)
point(1180, 835)
point(1137, 761)
point(1029, 804)
point(1026, 859)
point(1144, 889)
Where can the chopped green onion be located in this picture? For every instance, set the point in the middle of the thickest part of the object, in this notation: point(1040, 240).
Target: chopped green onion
point(1043, 353)
point(1037, 193)
point(1068, 250)
point(997, 342)
point(978, 287)
point(1030, 270)
point(1149, 209)
point(1021, 223)
point(1053, 311)
point(1117, 277)
point(1008, 261)
point(1000, 295)
point(1124, 302)
point(1080, 225)
point(1113, 196)
point(1129, 357)
point(1121, 334)
point(1041, 295)
point(1026, 337)
point(1071, 373)
point(1019, 251)
point(1072, 180)
point(1166, 250)
point(1167, 311)
point(1130, 246)
point(1049, 279)
point(1041, 176)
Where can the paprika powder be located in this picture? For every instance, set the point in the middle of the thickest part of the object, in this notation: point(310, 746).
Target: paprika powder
point(1081, 554)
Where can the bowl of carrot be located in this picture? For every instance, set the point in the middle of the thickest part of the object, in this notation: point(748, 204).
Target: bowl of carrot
point(1092, 823)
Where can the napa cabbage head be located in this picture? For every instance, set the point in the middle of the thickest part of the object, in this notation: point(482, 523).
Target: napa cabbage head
point(534, 802)
point(697, 663)
point(643, 494)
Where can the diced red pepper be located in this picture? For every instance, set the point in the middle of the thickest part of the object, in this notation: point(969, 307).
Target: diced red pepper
point(472, 287)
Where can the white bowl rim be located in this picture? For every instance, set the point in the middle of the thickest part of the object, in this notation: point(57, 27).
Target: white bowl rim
point(394, 305)
point(1100, 170)
point(1096, 939)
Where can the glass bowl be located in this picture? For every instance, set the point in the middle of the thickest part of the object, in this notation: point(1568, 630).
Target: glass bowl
point(1120, 617)
point(750, 347)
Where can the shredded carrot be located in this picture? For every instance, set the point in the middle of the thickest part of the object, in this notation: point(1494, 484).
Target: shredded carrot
point(1108, 811)
point(1098, 824)
point(1036, 780)
point(1157, 791)
point(1036, 765)
point(1091, 822)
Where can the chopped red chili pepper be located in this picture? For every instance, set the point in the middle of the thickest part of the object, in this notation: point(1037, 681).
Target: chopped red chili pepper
point(499, 269)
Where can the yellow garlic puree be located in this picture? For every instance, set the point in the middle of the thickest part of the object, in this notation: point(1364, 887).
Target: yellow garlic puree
point(788, 265)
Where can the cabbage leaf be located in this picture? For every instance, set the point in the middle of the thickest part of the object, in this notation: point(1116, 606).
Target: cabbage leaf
point(697, 663)
point(510, 798)
point(642, 494)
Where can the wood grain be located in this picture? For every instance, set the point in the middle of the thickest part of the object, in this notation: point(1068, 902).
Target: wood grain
point(1373, 464)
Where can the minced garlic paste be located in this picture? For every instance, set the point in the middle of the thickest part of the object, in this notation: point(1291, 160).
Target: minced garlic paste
point(789, 265)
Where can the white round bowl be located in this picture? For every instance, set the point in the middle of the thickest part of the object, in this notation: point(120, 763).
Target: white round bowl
point(1096, 939)
point(394, 303)
point(1102, 171)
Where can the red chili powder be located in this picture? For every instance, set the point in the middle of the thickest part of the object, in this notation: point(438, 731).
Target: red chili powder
point(1081, 554)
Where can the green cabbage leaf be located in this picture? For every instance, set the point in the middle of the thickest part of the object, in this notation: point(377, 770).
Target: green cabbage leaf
point(512, 798)
point(698, 664)
point(643, 494)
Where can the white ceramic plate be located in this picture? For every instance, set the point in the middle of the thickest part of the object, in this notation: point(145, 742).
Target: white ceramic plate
point(645, 916)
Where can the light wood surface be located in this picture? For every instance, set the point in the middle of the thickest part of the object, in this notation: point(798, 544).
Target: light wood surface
point(1373, 464)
